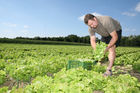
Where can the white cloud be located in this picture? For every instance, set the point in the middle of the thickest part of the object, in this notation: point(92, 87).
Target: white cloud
point(128, 14)
point(97, 14)
point(137, 7)
point(10, 24)
point(26, 26)
point(81, 18)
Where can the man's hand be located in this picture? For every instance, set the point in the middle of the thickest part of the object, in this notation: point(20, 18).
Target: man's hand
point(112, 41)
point(106, 50)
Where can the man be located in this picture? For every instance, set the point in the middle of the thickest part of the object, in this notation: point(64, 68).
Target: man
point(110, 30)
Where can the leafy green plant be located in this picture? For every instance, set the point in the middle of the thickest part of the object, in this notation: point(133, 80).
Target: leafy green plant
point(68, 81)
point(122, 84)
point(80, 80)
point(2, 64)
point(23, 62)
point(99, 68)
point(4, 90)
point(98, 54)
point(2, 76)
point(136, 66)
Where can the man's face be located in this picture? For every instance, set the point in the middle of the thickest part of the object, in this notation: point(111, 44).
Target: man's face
point(93, 23)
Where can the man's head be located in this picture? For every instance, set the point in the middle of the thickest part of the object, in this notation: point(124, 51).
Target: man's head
point(91, 20)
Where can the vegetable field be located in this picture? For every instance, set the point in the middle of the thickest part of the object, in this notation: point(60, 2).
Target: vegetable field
point(30, 68)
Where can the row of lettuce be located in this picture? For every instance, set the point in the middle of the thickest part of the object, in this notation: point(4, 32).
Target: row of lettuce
point(32, 64)
point(80, 81)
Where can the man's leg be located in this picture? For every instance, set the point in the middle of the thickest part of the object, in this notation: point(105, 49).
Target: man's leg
point(112, 52)
point(111, 57)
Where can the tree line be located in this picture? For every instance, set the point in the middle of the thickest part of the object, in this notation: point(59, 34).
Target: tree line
point(69, 38)
point(132, 40)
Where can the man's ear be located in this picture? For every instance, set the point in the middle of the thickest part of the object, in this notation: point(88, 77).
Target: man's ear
point(94, 19)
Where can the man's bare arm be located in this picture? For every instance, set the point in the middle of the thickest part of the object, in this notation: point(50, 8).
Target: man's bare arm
point(93, 41)
point(113, 40)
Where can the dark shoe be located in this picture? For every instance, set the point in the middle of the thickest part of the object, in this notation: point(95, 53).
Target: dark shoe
point(107, 73)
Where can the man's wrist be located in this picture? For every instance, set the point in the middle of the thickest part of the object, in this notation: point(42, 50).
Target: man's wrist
point(107, 48)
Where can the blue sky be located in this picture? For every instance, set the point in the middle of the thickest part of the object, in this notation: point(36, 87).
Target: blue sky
point(53, 18)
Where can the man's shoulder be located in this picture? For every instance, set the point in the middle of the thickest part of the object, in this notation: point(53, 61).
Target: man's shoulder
point(104, 18)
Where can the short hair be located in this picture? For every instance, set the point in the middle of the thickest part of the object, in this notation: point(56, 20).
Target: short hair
point(88, 17)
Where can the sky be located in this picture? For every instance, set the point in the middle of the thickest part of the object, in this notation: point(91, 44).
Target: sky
point(54, 18)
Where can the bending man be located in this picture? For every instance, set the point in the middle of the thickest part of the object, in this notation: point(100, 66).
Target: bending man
point(110, 30)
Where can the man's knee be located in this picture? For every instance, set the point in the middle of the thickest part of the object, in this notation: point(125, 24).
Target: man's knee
point(112, 49)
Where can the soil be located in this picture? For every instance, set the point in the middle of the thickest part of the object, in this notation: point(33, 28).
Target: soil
point(124, 70)
point(11, 82)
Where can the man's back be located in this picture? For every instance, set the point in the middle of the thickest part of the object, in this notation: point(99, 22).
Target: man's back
point(106, 25)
